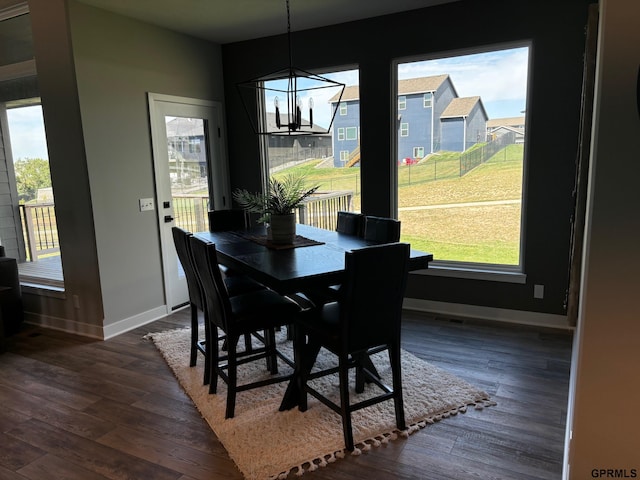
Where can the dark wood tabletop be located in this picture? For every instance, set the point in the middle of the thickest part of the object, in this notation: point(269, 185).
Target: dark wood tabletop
point(288, 270)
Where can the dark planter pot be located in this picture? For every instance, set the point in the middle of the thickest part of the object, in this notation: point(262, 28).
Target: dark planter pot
point(283, 229)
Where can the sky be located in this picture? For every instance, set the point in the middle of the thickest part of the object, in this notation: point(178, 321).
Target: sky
point(26, 129)
point(498, 77)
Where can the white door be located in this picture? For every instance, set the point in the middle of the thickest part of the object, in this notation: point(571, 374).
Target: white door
point(190, 173)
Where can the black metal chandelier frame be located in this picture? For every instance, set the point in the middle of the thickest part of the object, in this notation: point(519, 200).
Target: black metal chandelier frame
point(289, 116)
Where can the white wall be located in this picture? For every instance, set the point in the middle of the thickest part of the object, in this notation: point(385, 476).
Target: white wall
point(604, 416)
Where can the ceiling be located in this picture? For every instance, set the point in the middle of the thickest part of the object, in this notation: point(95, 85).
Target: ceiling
point(225, 21)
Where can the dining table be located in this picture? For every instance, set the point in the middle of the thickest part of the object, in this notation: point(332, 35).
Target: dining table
point(315, 260)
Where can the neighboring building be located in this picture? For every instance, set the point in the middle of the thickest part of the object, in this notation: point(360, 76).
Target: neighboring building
point(463, 123)
point(501, 126)
point(421, 102)
point(285, 149)
point(186, 147)
point(185, 138)
point(346, 127)
point(431, 117)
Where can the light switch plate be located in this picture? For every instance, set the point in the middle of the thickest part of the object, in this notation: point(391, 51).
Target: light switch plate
point(146, 204)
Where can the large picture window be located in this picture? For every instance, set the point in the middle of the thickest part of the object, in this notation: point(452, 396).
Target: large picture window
point(461, 197)
point(29, 227)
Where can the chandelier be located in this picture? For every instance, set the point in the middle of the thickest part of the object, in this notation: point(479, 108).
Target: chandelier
point(291, 90)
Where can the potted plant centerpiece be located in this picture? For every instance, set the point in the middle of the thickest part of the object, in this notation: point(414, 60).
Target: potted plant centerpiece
point(277, 206)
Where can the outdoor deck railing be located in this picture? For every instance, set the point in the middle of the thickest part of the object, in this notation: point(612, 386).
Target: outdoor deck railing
point(190, 212)
point(40, 230)
point(320, 210)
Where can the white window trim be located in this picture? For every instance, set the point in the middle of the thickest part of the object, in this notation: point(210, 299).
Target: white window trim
point(404, 131)
point(342, 108)
point(402, 102)
point(341, 134)
point(352, 129)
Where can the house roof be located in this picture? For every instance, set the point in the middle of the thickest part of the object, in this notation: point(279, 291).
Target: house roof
point(505, 122)
point(421, 84)
point(504, 128)
point(351, 92)
point(405, 87)
point(461, 107)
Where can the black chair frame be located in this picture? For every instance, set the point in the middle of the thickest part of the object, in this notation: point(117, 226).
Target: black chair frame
point(221, 318)
point(341, 329)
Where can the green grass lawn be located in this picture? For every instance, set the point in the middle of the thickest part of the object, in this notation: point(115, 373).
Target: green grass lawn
point(484, 234)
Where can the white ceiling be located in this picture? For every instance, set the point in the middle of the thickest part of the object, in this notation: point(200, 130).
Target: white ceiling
point(225, 21)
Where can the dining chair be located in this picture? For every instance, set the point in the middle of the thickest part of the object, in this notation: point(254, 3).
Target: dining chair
point(381, 229)
point(235, 285)
point(366, 320)
point(235, 316)
point(350, 223)
point(225, 220)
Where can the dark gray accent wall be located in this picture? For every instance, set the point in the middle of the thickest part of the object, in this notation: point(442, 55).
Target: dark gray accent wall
point(557, 34)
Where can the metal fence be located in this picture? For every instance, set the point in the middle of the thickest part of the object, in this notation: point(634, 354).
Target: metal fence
point(471, 159)
point(436, 167)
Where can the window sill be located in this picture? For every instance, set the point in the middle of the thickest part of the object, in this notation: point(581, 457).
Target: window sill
point(42, 290)
point(474, 273)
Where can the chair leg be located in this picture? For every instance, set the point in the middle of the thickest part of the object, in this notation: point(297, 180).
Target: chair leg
point(232, 373)
point(270, 345)
point(396, 372)
point(213, 353)
point(344, 403)
point(248, 346)
point(194, 336)
point(208, 341)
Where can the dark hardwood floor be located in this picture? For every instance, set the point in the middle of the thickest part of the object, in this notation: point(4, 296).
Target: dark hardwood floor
point(77, 409)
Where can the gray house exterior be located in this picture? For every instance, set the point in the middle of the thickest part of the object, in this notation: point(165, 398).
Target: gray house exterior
point(346, 127)
point(431, 117)
point(421, 102)
point(464, 123)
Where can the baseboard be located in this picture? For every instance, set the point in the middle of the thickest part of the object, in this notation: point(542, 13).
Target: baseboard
point(122, 326)
point(64, 325)
point(99, 332)
point(487, 313)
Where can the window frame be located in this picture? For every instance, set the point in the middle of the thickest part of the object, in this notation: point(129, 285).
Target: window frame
point(427, 100)
point(464, 269)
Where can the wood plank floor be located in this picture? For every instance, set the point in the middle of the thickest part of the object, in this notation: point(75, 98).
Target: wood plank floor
point(77, 409)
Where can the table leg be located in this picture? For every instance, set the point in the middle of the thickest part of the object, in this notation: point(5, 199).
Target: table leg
point(304, 357)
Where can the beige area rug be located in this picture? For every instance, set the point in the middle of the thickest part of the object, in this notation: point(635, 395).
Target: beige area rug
point(267, 444)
